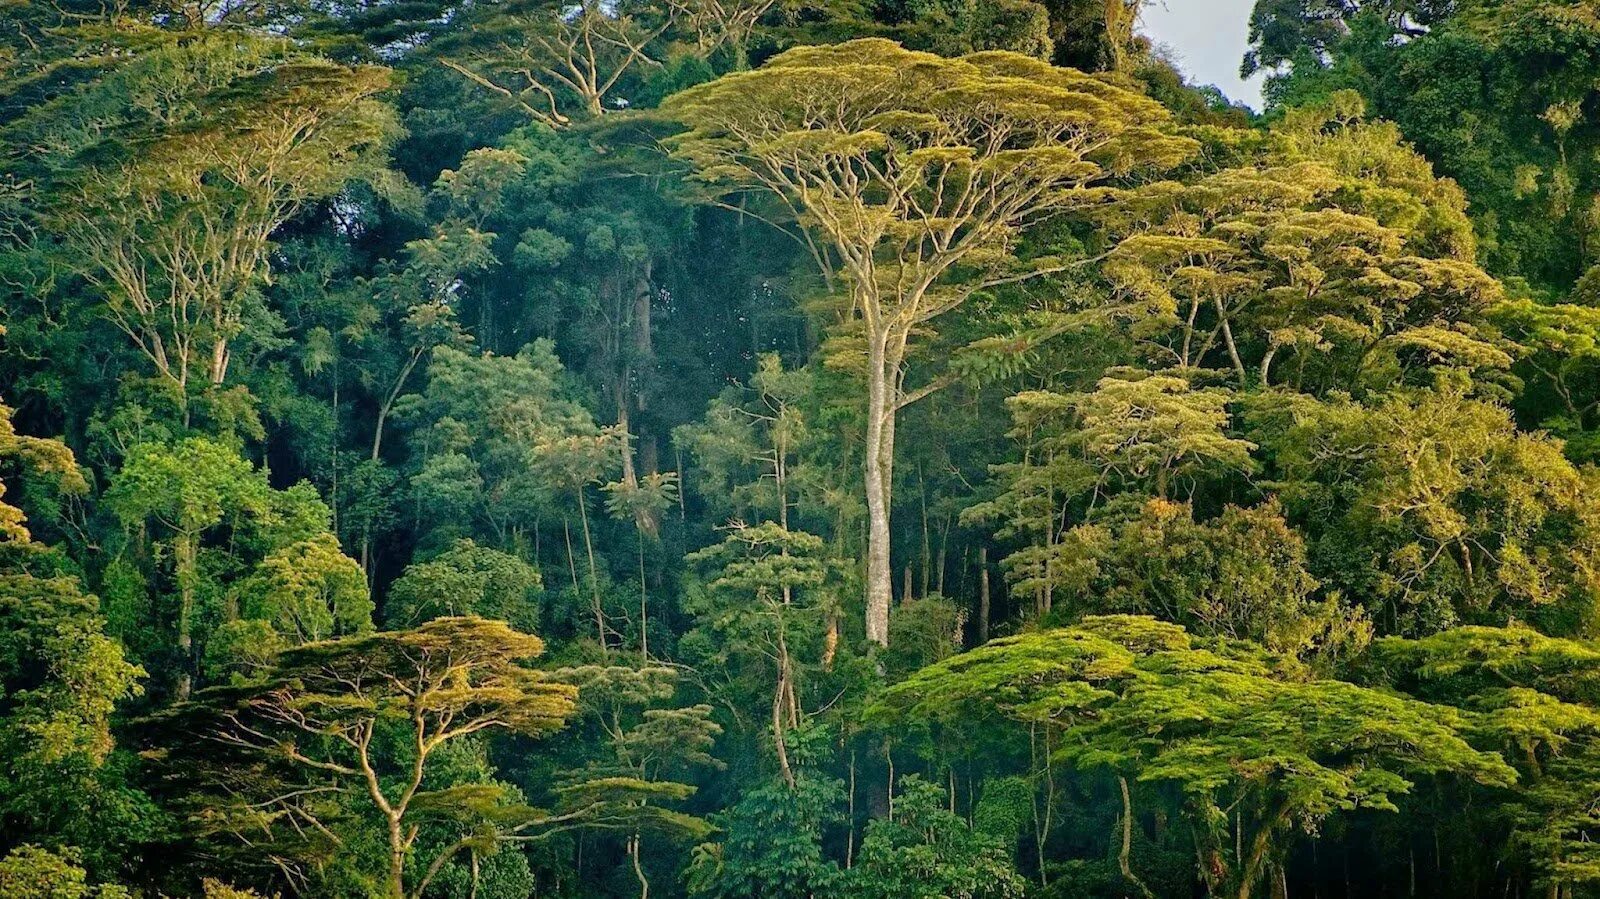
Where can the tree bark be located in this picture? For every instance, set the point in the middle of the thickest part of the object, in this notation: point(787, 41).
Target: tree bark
point(186, 552)
point(1227, 337)
point(830, 641)
point(983, 595)
point(638, 871)
point(1125, 851)
point(594, 577)
point(1250, 872)
point(880, 445)
point(219, 361)
point(779, 694)
point(1266, 366)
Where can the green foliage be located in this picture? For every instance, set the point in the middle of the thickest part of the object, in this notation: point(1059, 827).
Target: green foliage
point(467, 579)
point(495, 437)
point(772, 845)
point(1228, 725)
point(30, 872)
point(925, 850)
point(1243, 575)
point(309, 591)
point(317, 713)
point(63, 782)
point(1335, 254)
point(901, 169)
point(1444, 511)
point(166, 179)
point(216, 889)
point(61, 679)
point(41, 456)
point(176, 500)
point(1531, 696)
point(936, 471)
point(1490, 92)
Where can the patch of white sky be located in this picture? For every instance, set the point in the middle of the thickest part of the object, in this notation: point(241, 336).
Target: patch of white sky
point(1206, 39)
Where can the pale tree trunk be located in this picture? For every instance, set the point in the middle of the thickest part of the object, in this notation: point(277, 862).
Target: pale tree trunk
point(1125, 851)
point(384, 408)
point(644, 354)
point(638, 870)
point(397, 858)
point(780, 694)
point(594, 576)
point(638, 317)
point(644, 602)
point(927, 542)
point(630, 474)
point(879, 448)
point(219, 361)
point(830, 641)
point(572, 569)
point(1227, 338)
point(186, 553)
point(389, 399)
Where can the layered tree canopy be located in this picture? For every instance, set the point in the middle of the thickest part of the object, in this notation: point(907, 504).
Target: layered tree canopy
point(814, 449)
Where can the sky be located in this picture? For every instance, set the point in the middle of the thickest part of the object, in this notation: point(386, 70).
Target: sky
point(1207, 39)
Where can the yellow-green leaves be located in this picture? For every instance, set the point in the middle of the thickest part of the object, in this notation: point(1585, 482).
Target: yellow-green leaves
point(866, 132)
point(41, 456)
point(167, 178)
point(911, 178)
point(1335, 234)
point(1236, 730)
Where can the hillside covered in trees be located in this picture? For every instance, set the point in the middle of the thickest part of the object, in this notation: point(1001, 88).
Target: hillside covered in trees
point(797, 449)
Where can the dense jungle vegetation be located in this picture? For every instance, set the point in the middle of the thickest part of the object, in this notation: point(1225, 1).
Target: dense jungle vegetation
point(798, 449)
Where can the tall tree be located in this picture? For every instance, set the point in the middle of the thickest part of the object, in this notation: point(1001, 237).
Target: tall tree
point(909, 178)
point(166, 179)
point(554, 61)
point(365, 721)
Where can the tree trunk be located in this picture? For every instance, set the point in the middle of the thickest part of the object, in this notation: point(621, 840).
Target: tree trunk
point(850, 817)
point(927, 538)
point(1125, 851)
point(830, 641)
point(219, 361)
point(683, 483)
point(944, 547)
point(779, 694)
point(385, 407)
point(630, 400)
point(1188, 331)
point(1250, 871)
point(638, 871)
point(644, 603)
point(397, 858)
point(1266, 366)
point(594, 577)
point(1227, 337)
point(186, 552)
point(879, 448)
point(983, 595)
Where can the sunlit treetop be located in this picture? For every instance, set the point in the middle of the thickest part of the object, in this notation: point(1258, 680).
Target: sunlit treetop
point(908, 163)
